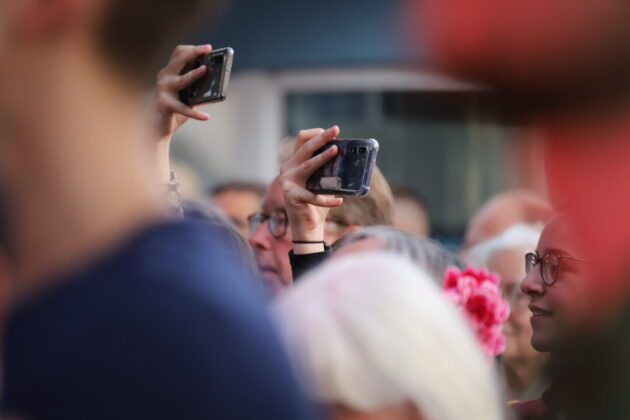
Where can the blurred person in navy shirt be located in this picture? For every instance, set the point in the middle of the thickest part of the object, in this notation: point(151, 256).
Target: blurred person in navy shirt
point(118, 310)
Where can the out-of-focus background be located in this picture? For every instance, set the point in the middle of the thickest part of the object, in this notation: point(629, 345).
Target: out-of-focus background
point(314, 64)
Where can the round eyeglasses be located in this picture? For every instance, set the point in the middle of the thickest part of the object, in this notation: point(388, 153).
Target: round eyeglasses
point(278, 222)
point(549, 265)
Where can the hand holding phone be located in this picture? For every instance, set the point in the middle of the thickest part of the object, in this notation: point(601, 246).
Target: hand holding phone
point(307, 211)
point(171, 112)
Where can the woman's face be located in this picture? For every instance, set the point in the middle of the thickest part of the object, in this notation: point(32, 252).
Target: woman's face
point(509, 264)
point(556, 309)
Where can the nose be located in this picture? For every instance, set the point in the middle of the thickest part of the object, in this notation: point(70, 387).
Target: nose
point(532, 284)
point(260, 240)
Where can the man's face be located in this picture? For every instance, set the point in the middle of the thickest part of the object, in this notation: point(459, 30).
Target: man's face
point(411, 217)
point(238, 205)
point(557, 309)
point(509, 264)
point(272, 253)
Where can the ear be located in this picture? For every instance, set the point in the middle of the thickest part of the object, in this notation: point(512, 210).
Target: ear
point(42, 18)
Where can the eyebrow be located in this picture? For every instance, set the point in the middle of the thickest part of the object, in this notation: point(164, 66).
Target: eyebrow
point(558, 251)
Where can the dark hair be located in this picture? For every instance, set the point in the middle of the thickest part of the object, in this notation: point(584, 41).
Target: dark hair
point(136, 35)
point(426, 253)
point(255, 187)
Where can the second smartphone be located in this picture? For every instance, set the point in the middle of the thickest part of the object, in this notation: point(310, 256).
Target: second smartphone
point(348, 173)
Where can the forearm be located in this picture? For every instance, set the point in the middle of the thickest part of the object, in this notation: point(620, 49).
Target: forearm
point(163, 160)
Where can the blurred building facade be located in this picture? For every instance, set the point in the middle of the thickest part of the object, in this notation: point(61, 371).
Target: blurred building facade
point(315, 64)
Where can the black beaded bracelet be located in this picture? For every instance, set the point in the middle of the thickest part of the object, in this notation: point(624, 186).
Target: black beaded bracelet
point(309, 242)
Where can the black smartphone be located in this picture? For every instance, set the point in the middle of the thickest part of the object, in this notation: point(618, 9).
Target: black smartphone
point(212, 87)
point(348, 173)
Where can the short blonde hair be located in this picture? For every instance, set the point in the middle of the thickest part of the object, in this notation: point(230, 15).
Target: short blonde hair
point(371, 331)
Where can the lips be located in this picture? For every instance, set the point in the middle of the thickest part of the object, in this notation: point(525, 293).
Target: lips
point(539, 312)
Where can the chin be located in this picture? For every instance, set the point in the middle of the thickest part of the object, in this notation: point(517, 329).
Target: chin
point(273, 284)
point(541, 344)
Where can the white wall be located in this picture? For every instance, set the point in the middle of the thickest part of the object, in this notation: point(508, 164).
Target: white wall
point(241, 139)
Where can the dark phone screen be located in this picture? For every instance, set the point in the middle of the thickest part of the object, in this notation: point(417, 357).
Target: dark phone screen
point(208, 88)
point(211, 82)
point(348, 172)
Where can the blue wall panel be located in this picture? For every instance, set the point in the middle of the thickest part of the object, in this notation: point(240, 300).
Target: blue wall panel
point(289, 34)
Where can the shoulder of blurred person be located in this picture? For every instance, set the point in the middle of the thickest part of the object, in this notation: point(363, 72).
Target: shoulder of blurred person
point(236, 242)
point(129, 315)
point(504, 210)
point(172, 297)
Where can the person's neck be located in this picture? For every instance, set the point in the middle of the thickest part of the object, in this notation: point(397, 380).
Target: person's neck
point(78, 178)
point(521, 374)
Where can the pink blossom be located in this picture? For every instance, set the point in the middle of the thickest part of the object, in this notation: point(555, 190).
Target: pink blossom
point(476, 293)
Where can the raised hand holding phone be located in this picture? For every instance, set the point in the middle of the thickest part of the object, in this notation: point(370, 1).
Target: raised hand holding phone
point(172, 113)
point(307, 211)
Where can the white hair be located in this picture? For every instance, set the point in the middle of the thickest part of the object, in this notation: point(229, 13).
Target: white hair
point(370, 331)
point(517, 236)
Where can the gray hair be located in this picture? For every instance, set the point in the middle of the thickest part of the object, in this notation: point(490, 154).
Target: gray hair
point(517, 236)
point(424, 252)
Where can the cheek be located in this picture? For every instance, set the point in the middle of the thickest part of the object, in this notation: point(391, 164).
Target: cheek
point(281, 250)
point(519, 320)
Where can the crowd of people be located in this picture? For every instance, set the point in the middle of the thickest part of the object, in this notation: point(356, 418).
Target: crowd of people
point(119, 299)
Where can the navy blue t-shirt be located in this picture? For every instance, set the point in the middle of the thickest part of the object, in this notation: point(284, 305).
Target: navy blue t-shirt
point(164, 328)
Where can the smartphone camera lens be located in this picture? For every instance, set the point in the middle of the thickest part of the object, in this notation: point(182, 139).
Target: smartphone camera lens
point(363, 150)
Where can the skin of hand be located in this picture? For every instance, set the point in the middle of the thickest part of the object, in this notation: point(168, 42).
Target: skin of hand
point(169, 81)
point(170, 111)
point(307, 211)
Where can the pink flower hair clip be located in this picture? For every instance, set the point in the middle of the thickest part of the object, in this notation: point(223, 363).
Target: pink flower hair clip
point(476, 293)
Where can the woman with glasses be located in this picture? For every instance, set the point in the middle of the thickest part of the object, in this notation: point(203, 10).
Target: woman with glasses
point(523, 367)
point(555, 283)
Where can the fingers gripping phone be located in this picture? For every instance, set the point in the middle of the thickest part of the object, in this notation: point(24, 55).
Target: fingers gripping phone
point(348, 173)
point(212, 87)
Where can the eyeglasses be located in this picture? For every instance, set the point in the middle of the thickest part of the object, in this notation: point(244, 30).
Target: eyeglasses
point(549, 265)
point(278, 222)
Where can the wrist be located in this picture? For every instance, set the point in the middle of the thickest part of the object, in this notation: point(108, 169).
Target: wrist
point(303, 234)
point(311, 248)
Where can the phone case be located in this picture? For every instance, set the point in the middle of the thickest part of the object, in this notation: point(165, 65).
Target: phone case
point(350, 172)
point(212, 87)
